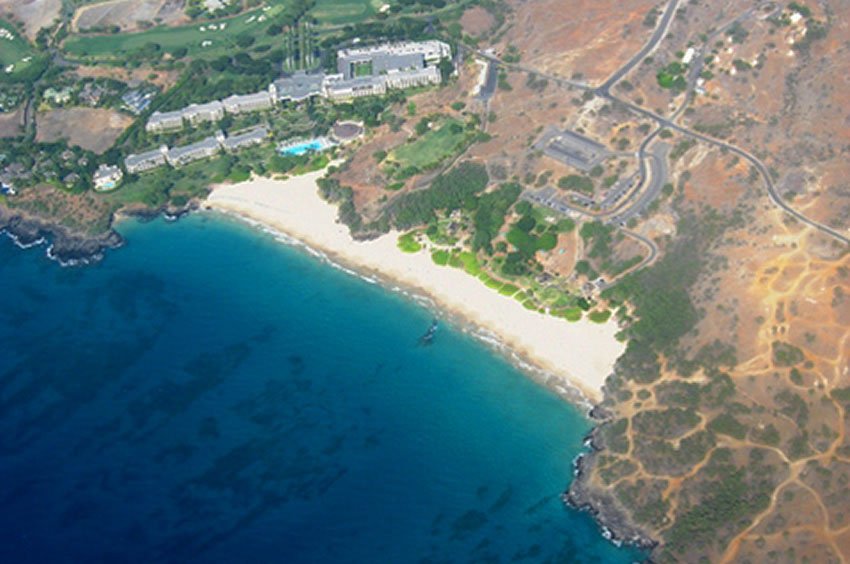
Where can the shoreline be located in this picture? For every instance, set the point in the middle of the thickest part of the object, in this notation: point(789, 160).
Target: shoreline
point(571, 359)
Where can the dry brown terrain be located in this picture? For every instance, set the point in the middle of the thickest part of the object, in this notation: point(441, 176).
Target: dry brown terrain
point(10, 123)
point(129, 14)
point(33, 14)
point(477, 21)
point(162, 78)
point(588, 38)
point(90, 128)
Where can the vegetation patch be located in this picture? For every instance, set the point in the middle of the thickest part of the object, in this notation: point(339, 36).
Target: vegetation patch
point(408, 243)
point(600, 316)
point(426, 152)
point(672, 77)
point(786, 354)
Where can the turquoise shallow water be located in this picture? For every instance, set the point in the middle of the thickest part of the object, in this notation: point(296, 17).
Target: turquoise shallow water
point(206, 394)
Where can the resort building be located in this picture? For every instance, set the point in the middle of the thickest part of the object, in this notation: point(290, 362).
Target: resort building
point(107, 177)
point(138, 100)
point(164, 121)
point(381, 59)
point(300, 86)
point(145, 161)
point(179, 156)
point(256, 102)
point(197, 113)
point(337, 88)
point(254, 136)
point(409, 79)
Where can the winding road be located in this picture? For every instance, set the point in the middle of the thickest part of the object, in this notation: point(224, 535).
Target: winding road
point(604, 91)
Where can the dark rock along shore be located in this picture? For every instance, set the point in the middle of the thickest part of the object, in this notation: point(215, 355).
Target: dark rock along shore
point(68, 247)
point(615, 524)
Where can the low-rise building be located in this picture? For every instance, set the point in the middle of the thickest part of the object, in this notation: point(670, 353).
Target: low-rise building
point(338, 88)
point(248, 102)
point(197, 113)
point(380, 59)
point(138, 100)
point(254, 136)
point(145, 161)
point(58, 96)
point(179, 156)
point(300, 86)
point(164, 121)
point(409, 79)
point(107, 177)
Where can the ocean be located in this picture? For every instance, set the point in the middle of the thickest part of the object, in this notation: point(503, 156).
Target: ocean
point(207, 394)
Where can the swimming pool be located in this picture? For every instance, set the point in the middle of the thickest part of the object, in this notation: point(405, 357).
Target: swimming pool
point(313, 145)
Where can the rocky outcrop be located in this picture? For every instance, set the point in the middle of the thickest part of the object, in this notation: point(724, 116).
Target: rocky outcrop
point(616, 524)
point(73, 248)
point(63, 245)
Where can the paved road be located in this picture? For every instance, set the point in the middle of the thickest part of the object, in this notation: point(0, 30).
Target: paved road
point(772, 192)
point(654, 178)
point(659, 33)
point(662, 122)
point(649, 243)
point(559, 80)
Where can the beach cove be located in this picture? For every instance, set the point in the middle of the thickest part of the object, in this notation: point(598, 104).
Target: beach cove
point(570, 357)
point(207, 394)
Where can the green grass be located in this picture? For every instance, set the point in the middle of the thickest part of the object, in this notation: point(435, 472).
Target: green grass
point(113, 46)
point(469, 263)
point(571, 314)
point(13, 52)
point(432, 148)
point(408, 243)
point(599, 316)
point(170, 38)
point(508, 289)
point(440, 257)
point(336, 12)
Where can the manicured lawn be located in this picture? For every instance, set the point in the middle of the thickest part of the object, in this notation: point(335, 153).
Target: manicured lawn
point(13, 52)
point(431, 148)
point(189, 36)
point(337, 12)
point(408, 243)
point(222, 41)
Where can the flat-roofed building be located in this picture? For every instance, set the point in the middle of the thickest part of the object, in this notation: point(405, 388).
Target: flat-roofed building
point(572, 149)
point(145, 161)
point(409, 79)
point(197, 113)
point(256, 102)
point(380, 59)
point(300, 86)
point(354, 88)
point(107, 177)
point(164, 121)
point(248, 138)
point(179, 156)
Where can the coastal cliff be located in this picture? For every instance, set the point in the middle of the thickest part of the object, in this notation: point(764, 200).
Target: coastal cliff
point(64, 245)
point(70, 246)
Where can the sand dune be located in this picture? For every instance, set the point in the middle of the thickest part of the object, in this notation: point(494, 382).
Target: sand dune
point(578, 355)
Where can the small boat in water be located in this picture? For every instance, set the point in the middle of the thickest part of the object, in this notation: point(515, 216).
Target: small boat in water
point(428, 337)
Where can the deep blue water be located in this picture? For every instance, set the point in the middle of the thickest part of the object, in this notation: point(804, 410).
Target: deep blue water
point(207, 394)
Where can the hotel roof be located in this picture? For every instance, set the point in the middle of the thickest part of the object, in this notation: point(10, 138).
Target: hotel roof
point(178, 153)
point(252, 136)
point(299, 86)
point(256, 97)
point(133, 160)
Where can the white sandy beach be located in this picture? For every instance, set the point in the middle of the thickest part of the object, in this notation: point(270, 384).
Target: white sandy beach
point(582, 354)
